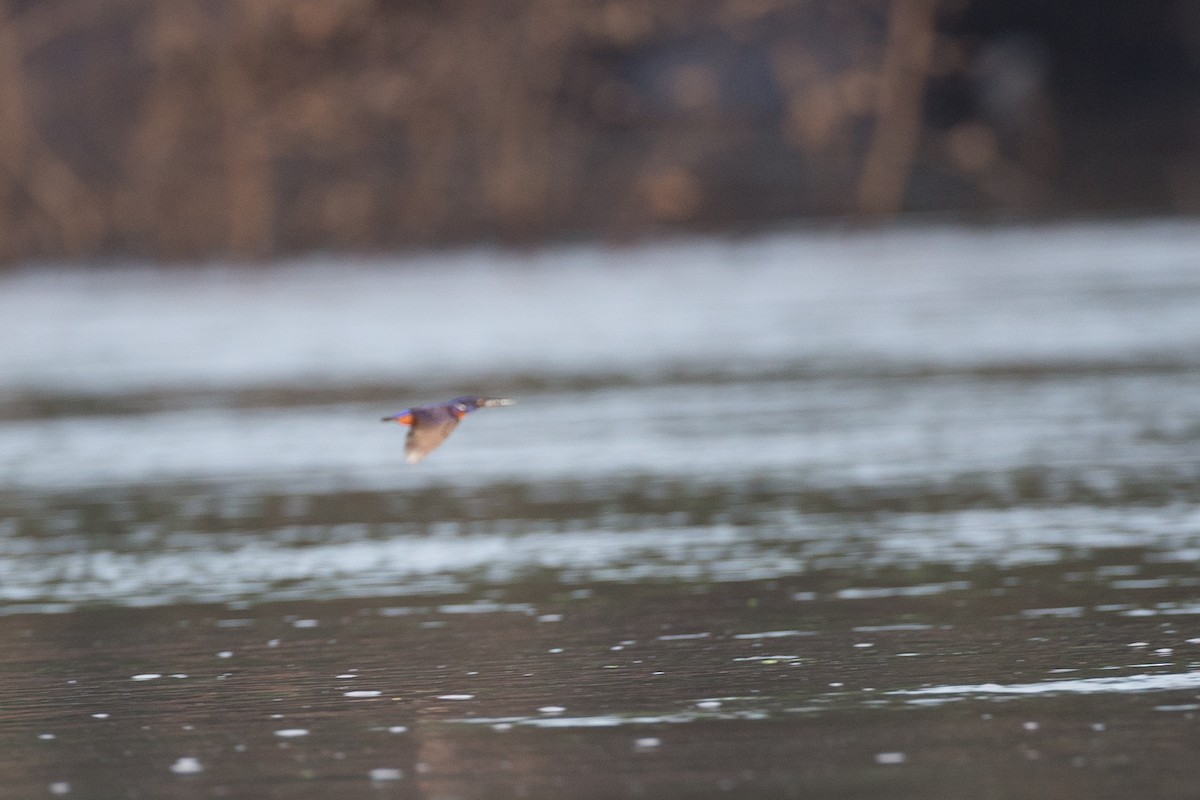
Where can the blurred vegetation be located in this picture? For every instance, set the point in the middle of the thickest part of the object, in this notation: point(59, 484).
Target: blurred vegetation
point(179, 129)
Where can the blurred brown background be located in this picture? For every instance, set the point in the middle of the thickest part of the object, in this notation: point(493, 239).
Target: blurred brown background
point(186, 129)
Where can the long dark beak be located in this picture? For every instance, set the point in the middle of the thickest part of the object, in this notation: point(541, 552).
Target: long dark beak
point(488, 402)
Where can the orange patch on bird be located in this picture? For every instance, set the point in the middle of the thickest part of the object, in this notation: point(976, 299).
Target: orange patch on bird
point(404, 419)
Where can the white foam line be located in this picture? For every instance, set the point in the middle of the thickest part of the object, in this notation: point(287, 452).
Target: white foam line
point(609, 720)
point(1174, 681)
point(773, 634)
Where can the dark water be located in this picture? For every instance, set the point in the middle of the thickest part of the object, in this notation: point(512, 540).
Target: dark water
point(898, 514)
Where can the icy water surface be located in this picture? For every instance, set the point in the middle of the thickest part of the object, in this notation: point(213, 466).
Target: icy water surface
point(875, 515)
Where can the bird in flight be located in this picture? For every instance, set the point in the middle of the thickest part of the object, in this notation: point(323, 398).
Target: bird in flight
point(430, 425)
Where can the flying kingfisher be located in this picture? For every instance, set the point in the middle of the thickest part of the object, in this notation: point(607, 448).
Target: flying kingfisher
point(431, 424)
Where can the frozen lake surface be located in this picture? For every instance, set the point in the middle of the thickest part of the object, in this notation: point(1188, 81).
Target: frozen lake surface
point(902, 513)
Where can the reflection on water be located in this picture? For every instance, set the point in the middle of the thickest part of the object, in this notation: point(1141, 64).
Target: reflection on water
point(877, 515)
point(145, 567)
point(537, 687)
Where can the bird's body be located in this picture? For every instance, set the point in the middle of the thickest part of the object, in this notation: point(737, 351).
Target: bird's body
point(430, 425)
